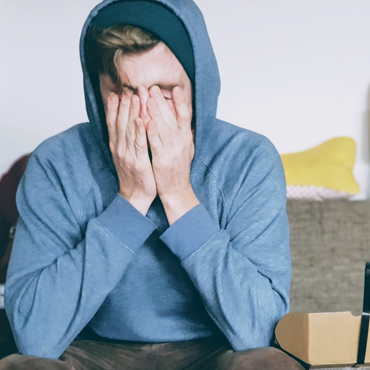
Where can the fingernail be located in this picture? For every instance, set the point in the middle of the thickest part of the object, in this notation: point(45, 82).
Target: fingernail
point(155, 90)
point(178, 90)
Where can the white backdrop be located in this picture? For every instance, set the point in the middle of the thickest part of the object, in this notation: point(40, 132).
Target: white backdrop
point(295, 71)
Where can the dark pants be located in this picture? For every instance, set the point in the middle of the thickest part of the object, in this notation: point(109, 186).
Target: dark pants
point(200, 354)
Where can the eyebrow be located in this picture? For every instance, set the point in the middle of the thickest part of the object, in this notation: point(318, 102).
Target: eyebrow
point(164, 87)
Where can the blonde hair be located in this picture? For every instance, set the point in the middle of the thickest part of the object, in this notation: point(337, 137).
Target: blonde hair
point(105, 46)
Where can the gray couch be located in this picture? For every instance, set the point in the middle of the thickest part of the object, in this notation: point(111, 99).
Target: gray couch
point(330, 244)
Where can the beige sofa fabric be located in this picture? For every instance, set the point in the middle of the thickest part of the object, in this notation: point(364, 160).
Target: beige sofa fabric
point(330, 243)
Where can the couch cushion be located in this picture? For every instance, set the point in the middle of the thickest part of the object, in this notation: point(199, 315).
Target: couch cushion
point(325, 171)
point(330, 243)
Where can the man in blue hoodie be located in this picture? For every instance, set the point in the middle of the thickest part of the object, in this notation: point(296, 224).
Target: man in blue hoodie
point(155, 235)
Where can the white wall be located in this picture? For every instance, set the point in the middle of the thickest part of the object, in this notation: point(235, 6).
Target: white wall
point(295, 71)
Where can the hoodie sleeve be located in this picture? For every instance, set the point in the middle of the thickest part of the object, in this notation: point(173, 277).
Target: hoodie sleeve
point(242, 272)
point(59, 275)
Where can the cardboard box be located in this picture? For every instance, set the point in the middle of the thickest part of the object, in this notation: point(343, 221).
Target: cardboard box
point(322, 340)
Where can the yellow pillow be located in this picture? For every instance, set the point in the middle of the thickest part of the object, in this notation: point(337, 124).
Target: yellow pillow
point(325, 171)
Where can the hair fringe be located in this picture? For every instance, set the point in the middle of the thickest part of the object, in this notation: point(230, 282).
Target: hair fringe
point(105, 46)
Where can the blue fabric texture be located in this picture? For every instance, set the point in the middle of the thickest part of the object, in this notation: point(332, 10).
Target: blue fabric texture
point(84, 257)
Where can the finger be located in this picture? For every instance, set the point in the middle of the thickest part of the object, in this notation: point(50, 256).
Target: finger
point(111, 116)
point(184, 114)
point(122, 118)
point(141, 146)
point(153, 136)
point(133, 114)
point(161, 109)
point(163, 130)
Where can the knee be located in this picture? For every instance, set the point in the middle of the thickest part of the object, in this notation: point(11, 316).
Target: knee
point(9, 362)
point(17, 361)
point(265, 358)
point(281, 359)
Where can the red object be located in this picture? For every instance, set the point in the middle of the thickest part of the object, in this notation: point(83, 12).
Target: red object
point(8, 210)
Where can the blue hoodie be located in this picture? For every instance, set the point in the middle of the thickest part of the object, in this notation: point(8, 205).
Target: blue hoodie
point(84, 257)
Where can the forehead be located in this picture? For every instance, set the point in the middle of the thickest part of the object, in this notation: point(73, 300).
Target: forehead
point(156, 66)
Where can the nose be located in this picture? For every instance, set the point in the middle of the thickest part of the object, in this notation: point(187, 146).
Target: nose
point(143, 94)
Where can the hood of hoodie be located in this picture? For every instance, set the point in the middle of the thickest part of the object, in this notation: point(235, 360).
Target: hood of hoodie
point(207, 78)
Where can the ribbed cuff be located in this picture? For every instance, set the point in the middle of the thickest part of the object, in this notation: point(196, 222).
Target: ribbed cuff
point(126, 223)
point(190, 232)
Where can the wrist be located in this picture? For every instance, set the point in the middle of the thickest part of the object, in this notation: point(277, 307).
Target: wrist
point(178, 202)
point(176, 206)
point(173, 200)
point(141, 204)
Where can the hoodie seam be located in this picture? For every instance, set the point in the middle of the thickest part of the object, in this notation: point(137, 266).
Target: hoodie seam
point(109, 233)
point(202, 246)
point(219, 187)
point(88, 191)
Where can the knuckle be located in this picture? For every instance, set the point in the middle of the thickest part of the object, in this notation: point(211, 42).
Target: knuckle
point(155, 143)
point(110, 123)
point(112, 147)
point(139, 145)
point(121, 130)
point(120, 155)
point(184, 114)
point(120, 152)
point(129, 130)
